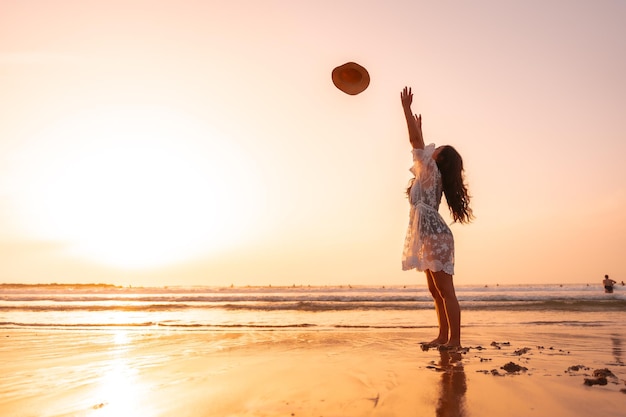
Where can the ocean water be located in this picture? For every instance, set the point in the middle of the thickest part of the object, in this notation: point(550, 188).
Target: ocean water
point(318, 308)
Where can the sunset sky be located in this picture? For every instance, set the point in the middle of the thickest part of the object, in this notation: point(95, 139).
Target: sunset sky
point(203, 142)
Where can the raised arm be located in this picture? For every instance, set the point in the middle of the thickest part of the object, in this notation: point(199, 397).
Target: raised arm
point(413, 121)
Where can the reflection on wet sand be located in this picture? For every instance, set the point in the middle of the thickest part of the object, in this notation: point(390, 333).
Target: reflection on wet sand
point(617, 348)
point(453, 386)
point(119, 391)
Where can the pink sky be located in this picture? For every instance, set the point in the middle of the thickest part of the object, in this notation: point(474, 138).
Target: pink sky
point(185, 142)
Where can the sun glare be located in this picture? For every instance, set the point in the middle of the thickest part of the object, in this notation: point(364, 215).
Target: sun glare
point(134, 187)
point(120, 391)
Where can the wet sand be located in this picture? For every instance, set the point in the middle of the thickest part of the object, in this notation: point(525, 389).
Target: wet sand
point(538, 371)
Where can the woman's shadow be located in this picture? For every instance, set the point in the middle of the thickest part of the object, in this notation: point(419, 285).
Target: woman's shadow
point(453, 386)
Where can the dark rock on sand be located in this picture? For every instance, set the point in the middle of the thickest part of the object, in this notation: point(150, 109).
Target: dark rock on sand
point(596, 381)
point(576, 368)
point(600, 377)
point(498, 345)
point(520, 352)
point(603, 373)
point(513, 367)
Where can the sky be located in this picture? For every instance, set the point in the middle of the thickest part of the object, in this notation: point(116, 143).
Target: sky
point(154, 142)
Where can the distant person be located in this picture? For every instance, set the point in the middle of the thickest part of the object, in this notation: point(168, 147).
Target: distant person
point(608, 284)
point(429, 244)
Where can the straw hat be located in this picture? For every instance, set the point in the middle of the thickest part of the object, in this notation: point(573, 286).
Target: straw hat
point(351, 78)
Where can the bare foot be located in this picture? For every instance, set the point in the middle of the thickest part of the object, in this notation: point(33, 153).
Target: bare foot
point(437, 342)
point(434, 344)
point(453, 342)
point(450, 347)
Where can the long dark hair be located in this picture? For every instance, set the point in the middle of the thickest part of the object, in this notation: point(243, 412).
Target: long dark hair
point(450, 165)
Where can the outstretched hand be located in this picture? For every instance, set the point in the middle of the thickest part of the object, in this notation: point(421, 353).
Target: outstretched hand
point(407, 97)
point(414, 121)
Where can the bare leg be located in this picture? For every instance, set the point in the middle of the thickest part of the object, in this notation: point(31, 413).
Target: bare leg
point(445, 286)
point(442, 317)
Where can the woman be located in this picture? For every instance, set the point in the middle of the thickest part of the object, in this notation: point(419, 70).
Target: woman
point(429, 244)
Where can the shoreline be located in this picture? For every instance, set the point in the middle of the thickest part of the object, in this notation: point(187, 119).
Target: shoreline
point(58, 373)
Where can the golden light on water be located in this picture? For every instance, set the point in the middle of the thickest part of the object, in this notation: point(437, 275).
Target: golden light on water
point(120, 338)
point(119, 392)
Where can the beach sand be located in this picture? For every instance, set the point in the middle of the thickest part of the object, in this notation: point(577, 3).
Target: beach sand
point(129, 372)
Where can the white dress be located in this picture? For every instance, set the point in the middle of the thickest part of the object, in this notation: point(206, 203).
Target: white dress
point(429, 243)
